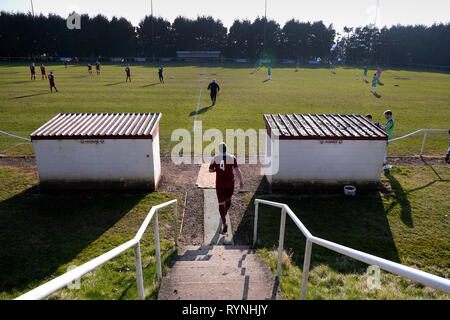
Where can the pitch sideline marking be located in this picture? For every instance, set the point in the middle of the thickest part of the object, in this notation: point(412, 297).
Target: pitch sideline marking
point(199, 96)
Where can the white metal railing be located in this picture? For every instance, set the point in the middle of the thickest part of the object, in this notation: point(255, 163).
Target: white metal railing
point(396, 268)
point(60, 282)
point(14, 136)
point(425, 131)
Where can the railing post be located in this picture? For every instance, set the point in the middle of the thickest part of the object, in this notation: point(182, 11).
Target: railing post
point(139, 276)
point(175, 212)
point(157, 248)
point(281, 242)
point(423, 142)
point(305, 271)
point(255, 225)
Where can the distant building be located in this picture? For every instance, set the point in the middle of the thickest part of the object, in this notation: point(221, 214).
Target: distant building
point(198, 56)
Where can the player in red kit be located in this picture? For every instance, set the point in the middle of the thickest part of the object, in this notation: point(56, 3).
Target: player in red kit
point(223, 165)
point(51, 79)
point(89, 68)
point(33, 71)
point(128, 72)
point(43, 73)
point(97, 67)
point(65, 63)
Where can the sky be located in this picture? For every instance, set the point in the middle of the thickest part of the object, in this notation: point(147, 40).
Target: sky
point(351, 13)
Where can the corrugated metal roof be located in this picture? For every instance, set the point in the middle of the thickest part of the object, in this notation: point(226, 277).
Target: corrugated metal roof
point(323, 126)
point(99, 126)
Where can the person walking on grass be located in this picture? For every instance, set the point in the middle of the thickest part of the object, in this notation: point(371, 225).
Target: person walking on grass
point(128, 73)
point(160, 74)
point(365, 74)
point(43, 72)
point(223, 164)
point(269, 72)
point(51, 79)
point(378, 74)
point(97, 67)
point(214, 87)
point(33, 71)
point(389, 129)
point(374, 84)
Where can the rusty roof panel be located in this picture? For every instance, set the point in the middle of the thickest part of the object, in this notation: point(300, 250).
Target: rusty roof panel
point(98, 125)
point(323, 126)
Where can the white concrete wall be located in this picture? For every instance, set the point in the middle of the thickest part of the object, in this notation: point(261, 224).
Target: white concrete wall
point(114, 160)
point(157, 160)
point(313, 161)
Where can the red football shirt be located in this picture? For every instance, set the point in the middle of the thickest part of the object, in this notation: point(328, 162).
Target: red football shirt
point(223, 165)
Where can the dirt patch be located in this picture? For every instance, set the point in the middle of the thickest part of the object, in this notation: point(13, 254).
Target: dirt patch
point(417, 161)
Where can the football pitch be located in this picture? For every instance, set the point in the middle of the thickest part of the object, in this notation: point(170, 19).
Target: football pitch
point(418, 99)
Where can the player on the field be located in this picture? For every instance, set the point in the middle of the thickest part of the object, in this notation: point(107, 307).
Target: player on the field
point(223, 165)
point(76, 60)
point(65, 63)
point(389, 129)
point(89, 68)
point(160, 74)
point(33, 71)
point(269, 72)
point(365, 74)
point(374, 83)
point(214, 87)
point(128, 72)
point(378, 74)
point(97, 67)
point(43, 72)
point(51, 79)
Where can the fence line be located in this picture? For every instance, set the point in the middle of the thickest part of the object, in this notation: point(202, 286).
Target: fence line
point(60, 282)
point(393, 267)
point(425, 132)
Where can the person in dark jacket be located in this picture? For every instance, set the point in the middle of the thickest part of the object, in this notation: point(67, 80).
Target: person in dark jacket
point(214, 87)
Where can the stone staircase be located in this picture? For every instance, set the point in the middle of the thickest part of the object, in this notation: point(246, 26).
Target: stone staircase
point(218, 273)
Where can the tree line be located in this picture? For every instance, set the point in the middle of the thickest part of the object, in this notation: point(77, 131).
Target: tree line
point(25, 35)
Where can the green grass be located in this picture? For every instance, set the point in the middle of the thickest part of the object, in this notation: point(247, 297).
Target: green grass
point(42, 235)
point(421, 101)
point(408, 225)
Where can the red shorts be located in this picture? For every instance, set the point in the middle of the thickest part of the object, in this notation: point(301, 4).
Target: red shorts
point(224, 194)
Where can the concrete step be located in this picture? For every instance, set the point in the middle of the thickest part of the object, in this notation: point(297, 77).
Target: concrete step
point(218, 273)
point(249, 262)
point(216, 248)
point(248, 289)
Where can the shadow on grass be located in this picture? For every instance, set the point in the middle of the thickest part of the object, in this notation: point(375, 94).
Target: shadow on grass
point(151, 84)
point(113, 84)
point(376, 95)
point(358, 222)
point(31, 95)
point(202, 110)
point(41, 232)
point(150, 275)
point(401, 198)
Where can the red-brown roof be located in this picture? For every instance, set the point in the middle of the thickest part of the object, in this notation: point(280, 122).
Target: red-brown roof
point(323, 127)
point(99, 126)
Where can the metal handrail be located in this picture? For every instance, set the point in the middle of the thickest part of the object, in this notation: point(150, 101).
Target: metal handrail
point(393, 267)
point(425, 131)
point(14, 136)
point(60, 282)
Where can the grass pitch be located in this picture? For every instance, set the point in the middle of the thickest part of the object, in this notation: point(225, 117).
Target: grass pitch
point(422, 99)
